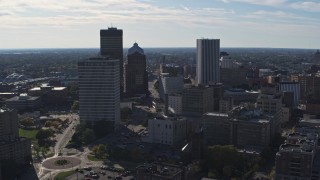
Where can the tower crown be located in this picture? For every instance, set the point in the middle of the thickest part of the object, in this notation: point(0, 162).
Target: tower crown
point(135, 48)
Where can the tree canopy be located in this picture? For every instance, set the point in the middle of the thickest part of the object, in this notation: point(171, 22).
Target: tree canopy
point(43, 136)
point(225, 160)
point(83, 135)
point(100, 151)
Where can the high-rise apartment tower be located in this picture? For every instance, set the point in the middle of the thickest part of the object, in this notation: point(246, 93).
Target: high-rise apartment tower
point(208, 57)
point(99, 91)
point(111, 46)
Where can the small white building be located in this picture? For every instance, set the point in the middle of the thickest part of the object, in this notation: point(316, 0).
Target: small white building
point(175, 103)
point(167, 130)
point(270, 104)
point(23, 101)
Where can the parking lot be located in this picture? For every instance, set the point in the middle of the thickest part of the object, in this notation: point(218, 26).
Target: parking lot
point(101, 173)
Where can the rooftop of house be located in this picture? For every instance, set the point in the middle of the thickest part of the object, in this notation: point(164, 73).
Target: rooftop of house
point(298, 142)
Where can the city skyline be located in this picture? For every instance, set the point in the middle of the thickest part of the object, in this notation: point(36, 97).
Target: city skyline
point(240, 23)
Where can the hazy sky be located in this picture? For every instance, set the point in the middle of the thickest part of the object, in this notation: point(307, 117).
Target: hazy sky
point(160, 23)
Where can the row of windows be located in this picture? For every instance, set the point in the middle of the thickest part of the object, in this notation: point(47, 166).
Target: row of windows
point(169, 126)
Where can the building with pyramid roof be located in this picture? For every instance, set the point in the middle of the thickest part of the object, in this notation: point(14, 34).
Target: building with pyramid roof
point(135, 74)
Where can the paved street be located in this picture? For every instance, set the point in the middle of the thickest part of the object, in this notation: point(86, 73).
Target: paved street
point(128, 136)
point(153, 92)
point(62, 140)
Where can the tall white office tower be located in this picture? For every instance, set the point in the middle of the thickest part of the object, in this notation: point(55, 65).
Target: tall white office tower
point(208, 60)
point(99, 91)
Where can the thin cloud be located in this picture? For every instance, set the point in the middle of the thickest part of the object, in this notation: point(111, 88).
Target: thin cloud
point(75, 12)
point(307, 6)
point(4, 13)
point(281, 17)
point(259, 2)
point(272, 14)
point(185, 8)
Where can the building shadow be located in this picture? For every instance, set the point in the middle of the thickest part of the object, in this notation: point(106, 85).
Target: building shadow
point(30, 173)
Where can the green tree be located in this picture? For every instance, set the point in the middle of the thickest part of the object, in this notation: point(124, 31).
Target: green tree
point(43, 136)
point(100, 151)
point(77, 136)
point(73, 91)
point(43, 151)
point(102, 128)
point(27, 122)
point(272, 172)
point(225, 160)
point(87, 136)
point(36, 148)
point(80, 127)
point(48, 124)
point(75, 106)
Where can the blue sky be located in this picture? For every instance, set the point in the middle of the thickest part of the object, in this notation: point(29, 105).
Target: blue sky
point(160, 23)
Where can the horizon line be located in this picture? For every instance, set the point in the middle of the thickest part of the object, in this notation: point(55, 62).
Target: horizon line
point(161, 48)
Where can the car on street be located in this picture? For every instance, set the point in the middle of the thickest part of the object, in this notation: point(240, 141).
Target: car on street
point(95, 176)
point(103, 167)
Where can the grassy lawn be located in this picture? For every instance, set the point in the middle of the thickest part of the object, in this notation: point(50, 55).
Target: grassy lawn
point(31, 134)
point(93, 158)
point(63, 175)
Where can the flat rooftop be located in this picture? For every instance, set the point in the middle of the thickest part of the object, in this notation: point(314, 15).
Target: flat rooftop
point(23, 98)
point(169, 118)
point(59, 88)
point(253, 120)
point(53, 88)
point(216, 114)
point(297, 148)
point(297, 142)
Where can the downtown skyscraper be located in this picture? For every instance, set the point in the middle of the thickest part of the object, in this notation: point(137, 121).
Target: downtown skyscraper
point(111, 46)
point(135, 74)
point(99, 92)
point(208, 60)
